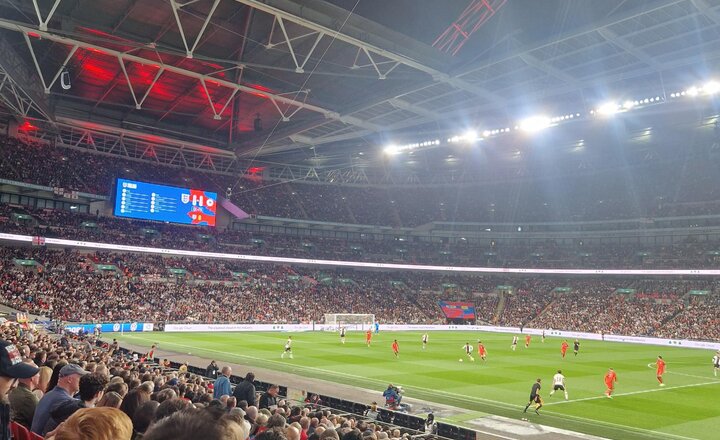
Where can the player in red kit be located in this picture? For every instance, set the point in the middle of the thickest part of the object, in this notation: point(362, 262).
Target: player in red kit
point(563, 348)
point(368, 337)
point(660, 370)
point(527, 341)
point(482, 352)
point(610, 379)
point(396, 348)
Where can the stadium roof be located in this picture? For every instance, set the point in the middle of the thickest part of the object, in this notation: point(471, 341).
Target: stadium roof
point(338, 77)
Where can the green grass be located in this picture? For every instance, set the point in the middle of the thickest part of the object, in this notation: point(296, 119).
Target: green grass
point(686, 408)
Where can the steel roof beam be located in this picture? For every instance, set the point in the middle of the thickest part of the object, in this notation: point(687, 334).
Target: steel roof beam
point(703, 7)
point(124, 56)
point(595, 26)
point(436, 74)
point(541, 65)
point(43, 22)
point(19, 91)
point(627, 47)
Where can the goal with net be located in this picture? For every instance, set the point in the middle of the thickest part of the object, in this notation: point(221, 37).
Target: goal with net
point(351, 321)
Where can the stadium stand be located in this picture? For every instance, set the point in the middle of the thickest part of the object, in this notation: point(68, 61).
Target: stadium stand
point(591, 196)
point(77, 286)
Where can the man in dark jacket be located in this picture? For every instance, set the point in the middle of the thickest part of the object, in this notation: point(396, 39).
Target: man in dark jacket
point(269, 398)
point(245, 390)
point(212, 370)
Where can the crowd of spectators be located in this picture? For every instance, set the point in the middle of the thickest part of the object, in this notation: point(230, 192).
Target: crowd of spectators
point(68, 387)
point(106, 286)
point(660, 189)
point(92, 227)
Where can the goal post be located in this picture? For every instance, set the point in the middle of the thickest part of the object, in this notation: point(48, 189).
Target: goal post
point(351, 321)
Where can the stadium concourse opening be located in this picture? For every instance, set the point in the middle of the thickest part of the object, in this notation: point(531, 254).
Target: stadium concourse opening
point(421, 219)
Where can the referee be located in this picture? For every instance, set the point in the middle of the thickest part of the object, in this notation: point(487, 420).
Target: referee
point(535, 398)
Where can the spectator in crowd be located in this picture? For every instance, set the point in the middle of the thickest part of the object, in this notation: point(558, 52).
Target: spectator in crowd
point(144, 417)
point(95, 424)
point(91, 391)
point(222, 384)
point(22, 399)
point(132, 401)
point(68, 385)
point(245, 390)
point(269, 398)
point(212, 370)
point(43, 380)
point(11, 368)
point(110, 399)
point(195, 424)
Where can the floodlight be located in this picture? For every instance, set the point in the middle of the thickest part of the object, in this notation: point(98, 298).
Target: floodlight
point(535, 123)
point(391, 150)
point(712, 87)
point(609, 108)
point(470, 135)
point(693, 91)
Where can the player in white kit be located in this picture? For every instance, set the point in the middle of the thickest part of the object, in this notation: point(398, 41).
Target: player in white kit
point(425, 340)
point(288, 348)
point(559, 384)
point(468, 351)
point(514, 343)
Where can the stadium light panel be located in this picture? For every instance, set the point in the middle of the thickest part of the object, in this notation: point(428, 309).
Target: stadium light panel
point(712, 87)
point(608, 109)
point(628, 105)
point(470, 135)
point(693, 91)
point(391, 150)
point(535, 123)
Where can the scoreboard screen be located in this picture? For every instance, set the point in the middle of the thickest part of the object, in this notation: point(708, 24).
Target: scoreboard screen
point(163, 203)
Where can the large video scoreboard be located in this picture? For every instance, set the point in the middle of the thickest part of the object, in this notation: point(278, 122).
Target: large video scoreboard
point(164, 203)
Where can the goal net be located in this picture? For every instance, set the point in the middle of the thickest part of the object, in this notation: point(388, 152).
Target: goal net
point(351, 321)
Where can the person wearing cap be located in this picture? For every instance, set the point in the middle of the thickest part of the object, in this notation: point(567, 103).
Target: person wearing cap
point(68, 385)
point(22, 399)
point(12, 368)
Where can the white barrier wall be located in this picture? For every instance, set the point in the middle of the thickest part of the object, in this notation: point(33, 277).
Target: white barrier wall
point(468, 328)
point(338, 263)
point(238, 327)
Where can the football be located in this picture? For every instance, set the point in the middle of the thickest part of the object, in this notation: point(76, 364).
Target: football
point(459, 360)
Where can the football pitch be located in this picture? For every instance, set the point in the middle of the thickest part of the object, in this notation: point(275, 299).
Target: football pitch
point(686, 408)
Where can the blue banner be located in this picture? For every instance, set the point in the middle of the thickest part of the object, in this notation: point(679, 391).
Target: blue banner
point(111, 327)
point(163, 203)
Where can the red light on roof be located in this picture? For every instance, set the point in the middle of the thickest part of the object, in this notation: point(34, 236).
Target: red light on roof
point(27, 126)
point(261, 88)
point(92, 49)
point(255, 170)
point(259, 95)
point(33, 34)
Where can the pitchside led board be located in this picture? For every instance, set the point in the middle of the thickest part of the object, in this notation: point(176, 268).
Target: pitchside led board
point(164, 203)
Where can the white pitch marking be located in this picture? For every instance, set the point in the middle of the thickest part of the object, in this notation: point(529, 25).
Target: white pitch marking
point(635, 392)
point(584, 420)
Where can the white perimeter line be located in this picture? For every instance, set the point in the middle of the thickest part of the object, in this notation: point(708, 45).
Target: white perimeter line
point(457, 397)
